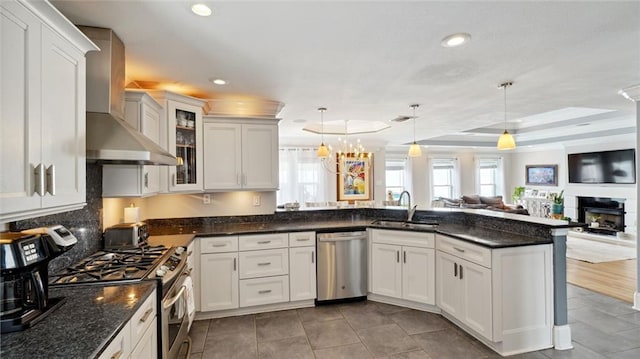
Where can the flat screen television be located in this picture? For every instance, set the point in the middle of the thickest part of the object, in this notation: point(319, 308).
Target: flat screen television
point(603, 167)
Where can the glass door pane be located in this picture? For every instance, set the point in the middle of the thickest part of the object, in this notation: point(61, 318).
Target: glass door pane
point(186, 147)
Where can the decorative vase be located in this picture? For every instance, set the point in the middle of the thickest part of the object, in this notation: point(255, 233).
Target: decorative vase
point(557, 208)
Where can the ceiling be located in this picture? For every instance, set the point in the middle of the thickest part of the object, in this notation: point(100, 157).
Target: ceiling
point(368, 61)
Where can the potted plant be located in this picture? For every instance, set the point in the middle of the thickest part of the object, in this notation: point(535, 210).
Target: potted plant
point(517, 193)
point(558, 202)
point(594, 220)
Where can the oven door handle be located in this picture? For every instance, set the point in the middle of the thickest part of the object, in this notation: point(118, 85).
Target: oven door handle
point(171, 301)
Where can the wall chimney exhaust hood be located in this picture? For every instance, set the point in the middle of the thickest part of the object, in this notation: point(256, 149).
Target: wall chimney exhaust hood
point(110, 140)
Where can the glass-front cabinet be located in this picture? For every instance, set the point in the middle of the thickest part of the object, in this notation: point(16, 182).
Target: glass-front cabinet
point(185, 142)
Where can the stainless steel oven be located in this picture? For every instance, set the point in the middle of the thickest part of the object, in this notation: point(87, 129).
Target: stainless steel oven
point(177, 302)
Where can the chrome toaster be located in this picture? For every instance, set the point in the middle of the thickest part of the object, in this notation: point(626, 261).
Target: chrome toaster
point(126, 235)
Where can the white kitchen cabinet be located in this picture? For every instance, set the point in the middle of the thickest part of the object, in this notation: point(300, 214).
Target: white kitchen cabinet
point(403, 265)
point(218, 281)
point(503, 295)
point(181, 135)
point(143, 113)
point(138, 338)
point(302, 273)
point(464, 290)
point(42, 128)
point(240, 155)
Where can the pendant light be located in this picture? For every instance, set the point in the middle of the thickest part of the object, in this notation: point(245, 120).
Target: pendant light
point(414, 150)
point(506, 141)
point(323, 151)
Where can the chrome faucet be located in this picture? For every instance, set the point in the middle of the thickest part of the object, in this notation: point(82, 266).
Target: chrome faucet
point(410, 210)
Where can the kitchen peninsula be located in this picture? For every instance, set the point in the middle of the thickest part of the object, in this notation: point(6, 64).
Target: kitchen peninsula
point(485, 231)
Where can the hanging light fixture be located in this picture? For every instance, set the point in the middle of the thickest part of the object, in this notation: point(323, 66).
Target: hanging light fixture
point(414, 150)
point(506, 141)
point(323, 151)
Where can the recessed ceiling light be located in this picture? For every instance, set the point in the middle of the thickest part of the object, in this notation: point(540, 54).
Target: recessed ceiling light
point(219, 82)
point(201, 9)
point(454, 40)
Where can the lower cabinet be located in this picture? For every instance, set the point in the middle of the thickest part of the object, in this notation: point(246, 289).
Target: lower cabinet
point(302, 273)
point(403, 265)
point(139, 337)
point(267, 290)
point(218, 281)
point(504, 295)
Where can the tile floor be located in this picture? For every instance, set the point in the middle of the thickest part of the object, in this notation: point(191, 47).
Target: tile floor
point(602, 327)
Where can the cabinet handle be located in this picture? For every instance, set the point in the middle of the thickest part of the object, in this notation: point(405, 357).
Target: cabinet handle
point(397, 256)
point(404, 254)
point(244, 179)
point(461, 272)
point(455, 269)
point(313, 256)
point(218, 245)
point(146, 315)
point(238, 179)
point(302, 239)
point(39, 174)
point(146, 180)
point(234, 264)
point(51, 180)
point(264, 264)
point(264, 291)
point(264, 242)
point(117, 354)
point(173, 180)
point(459, 249)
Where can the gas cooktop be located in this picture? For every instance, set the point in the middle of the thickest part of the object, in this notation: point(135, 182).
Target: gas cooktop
point(111, 265)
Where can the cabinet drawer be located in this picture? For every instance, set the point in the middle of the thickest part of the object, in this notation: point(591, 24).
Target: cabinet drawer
point(218, 244)
point(269, 262)
point(264, 290)
point(465, 250)
point(264, 241)
point(120, 346)
point(403, 238)
point(302, 239)
point(143, 317)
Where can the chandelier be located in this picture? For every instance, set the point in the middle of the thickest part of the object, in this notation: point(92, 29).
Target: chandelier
point(345, 150)
point(414, 150)
point(506, 141)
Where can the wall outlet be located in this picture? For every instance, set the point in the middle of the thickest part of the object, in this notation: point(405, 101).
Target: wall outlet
point(256, 200)
point(206, 198)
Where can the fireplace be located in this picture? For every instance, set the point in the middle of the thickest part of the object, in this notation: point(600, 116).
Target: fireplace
point(603, 215)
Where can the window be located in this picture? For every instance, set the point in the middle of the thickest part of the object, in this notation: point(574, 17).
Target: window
point(395, 173)
point(443, 177)
point(302, 178)
point(489, 176)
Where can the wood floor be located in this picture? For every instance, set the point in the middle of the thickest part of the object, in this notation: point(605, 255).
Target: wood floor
point(615, 279)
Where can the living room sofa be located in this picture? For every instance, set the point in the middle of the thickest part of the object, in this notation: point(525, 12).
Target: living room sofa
point(494, 203)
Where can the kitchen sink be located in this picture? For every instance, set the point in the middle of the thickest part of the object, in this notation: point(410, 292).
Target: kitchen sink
point(404, 224)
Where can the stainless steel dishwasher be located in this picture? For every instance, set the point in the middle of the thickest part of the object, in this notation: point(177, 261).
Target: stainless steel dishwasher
point(342, 265)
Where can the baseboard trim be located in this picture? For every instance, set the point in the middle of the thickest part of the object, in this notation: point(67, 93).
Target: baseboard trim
point(562, 337)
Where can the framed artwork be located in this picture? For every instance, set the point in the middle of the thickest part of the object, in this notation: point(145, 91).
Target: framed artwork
point(542, 194)
point(541, 175)
point(354, 178)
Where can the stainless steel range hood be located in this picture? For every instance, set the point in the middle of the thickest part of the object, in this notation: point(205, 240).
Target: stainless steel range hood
point(110, 140)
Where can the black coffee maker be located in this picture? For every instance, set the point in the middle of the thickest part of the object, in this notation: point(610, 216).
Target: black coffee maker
point(24, 258)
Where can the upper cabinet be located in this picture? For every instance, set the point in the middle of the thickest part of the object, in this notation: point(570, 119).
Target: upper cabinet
point(240, 154)
point(182, 137)
point(42, 103)
point(144, 114)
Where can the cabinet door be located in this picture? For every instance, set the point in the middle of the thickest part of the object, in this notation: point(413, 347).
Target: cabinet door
point(147, 346)
point(302, 273)
point(260, 157)
point(222, 156)
point(63, 120)
point(418, 274)
point(185, 142)
point(448, 287)
point(387, 270)
point(476, 282)
point(218, 281)
point(19, 107)
point(150, 127)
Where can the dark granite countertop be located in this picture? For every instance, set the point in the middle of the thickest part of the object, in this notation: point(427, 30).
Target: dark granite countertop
point(82, 326)
point(482, 236)
point(489, 237)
